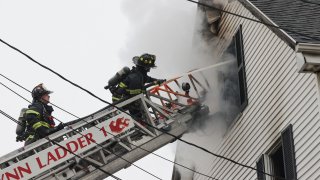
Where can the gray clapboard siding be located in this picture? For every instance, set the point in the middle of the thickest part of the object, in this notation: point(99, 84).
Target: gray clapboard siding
point(259, 47)
point(274, 129)
point(227, 30)
point(278, 96)
point(230, 30)
point(276, 134)
point(257, 74)
point(272, 134)
point(261, 135)
point(256, 122)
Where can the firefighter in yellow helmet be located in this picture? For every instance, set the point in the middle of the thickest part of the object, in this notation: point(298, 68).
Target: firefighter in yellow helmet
point(136, 81)
point(38, 116)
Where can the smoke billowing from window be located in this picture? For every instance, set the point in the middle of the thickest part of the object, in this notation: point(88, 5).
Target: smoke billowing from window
point(173, 30)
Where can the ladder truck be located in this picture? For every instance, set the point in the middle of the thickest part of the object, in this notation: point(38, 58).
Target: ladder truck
point(109, 138)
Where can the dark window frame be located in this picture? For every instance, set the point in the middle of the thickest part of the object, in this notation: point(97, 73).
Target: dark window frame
point(261, 168)
point(288, 153)
point(239, 49)
point(236, 48)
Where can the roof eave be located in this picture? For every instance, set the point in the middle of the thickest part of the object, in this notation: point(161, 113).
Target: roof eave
point(308, 48)
point(265, 19)
point(308, 57)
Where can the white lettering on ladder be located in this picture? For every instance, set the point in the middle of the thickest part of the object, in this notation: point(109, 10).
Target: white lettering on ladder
point(40, 162)
point(72, 146)
point(17, 174)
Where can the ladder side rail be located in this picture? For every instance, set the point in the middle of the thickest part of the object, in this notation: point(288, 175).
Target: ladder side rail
point(126, 149)
point(35, 159)
point(39, 143)
point(138, 143)
point(66, 136)
point(85, 154)
point(138, 153)
point(58, 134)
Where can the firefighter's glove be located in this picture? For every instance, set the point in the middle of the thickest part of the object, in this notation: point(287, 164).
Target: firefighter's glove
point(160, 81)
point(21, 138)
point(112, 89)
point(55, 129)
point(59, 127)
point(51, 121)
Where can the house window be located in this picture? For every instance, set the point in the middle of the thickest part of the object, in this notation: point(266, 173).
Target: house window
point(261, 168)
point(238, 40)
point(277, 163)
point(280, 160)
point(239, 76)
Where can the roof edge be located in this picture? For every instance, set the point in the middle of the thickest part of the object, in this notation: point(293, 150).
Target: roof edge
point(308, 48)
point(265, 19)
point(307, 57)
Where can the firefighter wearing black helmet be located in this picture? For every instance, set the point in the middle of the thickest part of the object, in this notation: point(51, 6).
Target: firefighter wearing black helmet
point(38, 115)
point(135, 81)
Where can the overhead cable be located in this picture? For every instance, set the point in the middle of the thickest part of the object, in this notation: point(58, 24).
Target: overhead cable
point(56, 143)
point(254, 20)
point(110, 134)
point(30, 92)
point(93, 141)
point(309, 2)
point(178, 138)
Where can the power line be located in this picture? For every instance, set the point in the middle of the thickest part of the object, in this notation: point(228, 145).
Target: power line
point(30, 92)
point(309, 2)
point(254, 20)
point(108, 132)
point(93, 142)
point(15, 92)
point(56, 143)
point(202, 4)
point(266, 24)
point(120, 109)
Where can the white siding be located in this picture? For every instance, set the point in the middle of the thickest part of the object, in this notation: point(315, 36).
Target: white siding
point(277, 95)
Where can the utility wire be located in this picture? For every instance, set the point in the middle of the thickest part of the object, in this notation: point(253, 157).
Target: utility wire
point(201, 4)
point(110, 133)
point(309, 2)
point(56, 143)
point(254, 20)
point(178, 138)
point(30, 92)
point(266, 24)
point(15, 92)
point(93, 142)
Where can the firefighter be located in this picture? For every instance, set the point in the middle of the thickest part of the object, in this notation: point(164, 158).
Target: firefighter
point(38, 116)
point(135, 81)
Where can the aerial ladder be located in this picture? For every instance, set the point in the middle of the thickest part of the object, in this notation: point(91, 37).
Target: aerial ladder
point(110, 138)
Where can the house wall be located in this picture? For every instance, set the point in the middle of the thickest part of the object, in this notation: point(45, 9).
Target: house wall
point(277, 96)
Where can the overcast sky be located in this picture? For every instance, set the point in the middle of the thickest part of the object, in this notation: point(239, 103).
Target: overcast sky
point(87, 42)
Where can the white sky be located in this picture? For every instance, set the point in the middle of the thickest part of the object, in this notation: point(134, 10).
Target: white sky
point(87, 42)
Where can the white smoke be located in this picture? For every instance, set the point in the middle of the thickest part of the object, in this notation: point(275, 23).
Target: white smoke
point(209, 132)
point(164, 28)
point(208, 137)
point(172, 30)
point(221, 99)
